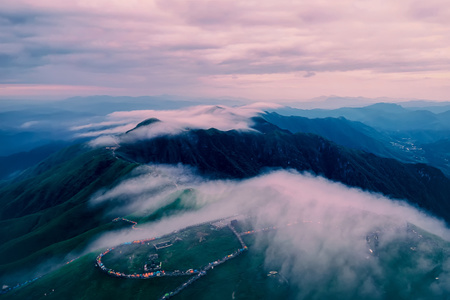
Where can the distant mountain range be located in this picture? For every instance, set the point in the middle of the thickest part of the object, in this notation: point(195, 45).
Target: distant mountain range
point(385, 116)
point(40, 209)
point(352, 134)
point(25, 125)
point(335, 102)
point(402, 152)
point(387, 130)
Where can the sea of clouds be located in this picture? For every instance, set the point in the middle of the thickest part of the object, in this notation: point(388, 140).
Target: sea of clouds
point(110, 132)
point(335, 254)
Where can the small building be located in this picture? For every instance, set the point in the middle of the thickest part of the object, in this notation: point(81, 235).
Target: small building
point(163, 245)
point(153, 256)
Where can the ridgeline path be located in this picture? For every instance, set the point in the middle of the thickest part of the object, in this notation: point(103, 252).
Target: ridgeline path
point(9, 289)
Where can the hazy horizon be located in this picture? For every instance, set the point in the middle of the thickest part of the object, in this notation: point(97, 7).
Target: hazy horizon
point(320, 129)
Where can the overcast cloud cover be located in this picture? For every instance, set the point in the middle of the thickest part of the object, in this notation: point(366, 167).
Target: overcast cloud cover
point(256, 49)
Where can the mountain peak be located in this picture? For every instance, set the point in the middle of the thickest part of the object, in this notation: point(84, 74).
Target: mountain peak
point(145, 123)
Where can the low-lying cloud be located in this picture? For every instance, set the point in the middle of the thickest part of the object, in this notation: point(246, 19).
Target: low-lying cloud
point(354, 245)
point(110, 131)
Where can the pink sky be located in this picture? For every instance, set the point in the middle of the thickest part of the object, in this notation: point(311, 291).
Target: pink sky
point(261, 50)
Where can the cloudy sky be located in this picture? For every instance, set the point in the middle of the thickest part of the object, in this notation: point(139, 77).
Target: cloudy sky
point(262, 50)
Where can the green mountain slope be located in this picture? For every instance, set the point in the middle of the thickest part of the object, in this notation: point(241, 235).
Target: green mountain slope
point(44, 213)
point(48, 206)
point(248, 277)
point(347, 133)
point(407, 146)
point(235, 154)
point(18, 162)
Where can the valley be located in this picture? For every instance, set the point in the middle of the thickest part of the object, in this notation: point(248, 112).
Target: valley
point(150, 210)
point(224, 150)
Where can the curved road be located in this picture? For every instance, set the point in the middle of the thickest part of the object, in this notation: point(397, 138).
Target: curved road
point(198, 273)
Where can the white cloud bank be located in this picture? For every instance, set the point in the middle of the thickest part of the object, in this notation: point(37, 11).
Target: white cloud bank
point(334, 255)
point(172, 122)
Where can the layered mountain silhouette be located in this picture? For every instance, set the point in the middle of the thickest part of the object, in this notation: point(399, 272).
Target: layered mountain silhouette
point(45, 211)
point(409, 145)
point(385, 116)
point(242, 154)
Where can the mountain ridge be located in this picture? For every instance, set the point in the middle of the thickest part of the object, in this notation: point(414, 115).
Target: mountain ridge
point(45, 212)
point(238, 154)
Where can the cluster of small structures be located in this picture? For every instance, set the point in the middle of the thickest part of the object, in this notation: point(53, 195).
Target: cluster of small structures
point(126, 220)
point(213, 264)
point(153, 271)
point(9, 289)
point(6, 289)
point(163, 245)
point(152, 264)
point(153, 267)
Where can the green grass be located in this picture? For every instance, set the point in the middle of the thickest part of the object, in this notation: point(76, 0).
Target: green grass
point(51, 209)
point(198, 246)
point(244, 275)
point(81, 280)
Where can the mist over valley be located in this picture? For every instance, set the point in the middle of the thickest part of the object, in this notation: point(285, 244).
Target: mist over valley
point(325, 207)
